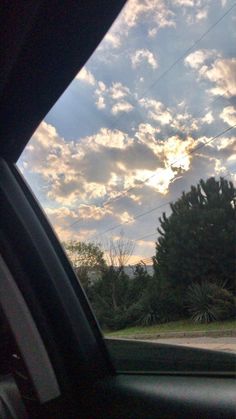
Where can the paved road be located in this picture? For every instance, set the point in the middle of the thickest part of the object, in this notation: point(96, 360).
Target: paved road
point(227, 344)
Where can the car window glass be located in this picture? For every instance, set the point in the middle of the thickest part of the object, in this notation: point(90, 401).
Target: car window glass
point(135, 167)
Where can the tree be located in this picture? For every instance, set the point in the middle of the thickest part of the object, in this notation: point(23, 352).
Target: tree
point(118, 254)
point(110, 296)
point(197, 241)
point(87, 260)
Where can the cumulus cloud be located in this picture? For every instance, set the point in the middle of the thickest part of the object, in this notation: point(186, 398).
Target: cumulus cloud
point(201, 14)
point(118, 91)
point(144, 55)
point(222, 74)
point(155, 10)
point(113, 96)
point(208, 118)
point(113, 39)
point(95, 167)
point(84, 176)
point(229, 115)
point(185, 3)
point(197, 58)
point(121, 106)
point(86, 76)
point(152, 32)
point(171, 118)
point(102, 165)
point(100, 102)
point(156, 110)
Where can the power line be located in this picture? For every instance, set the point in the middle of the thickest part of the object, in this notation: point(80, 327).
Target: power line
point(142, 214)
point(124, 193)
point(149, 259)
point(160, 78)
point(183, 55)
point(166, 203)
point(180, 58)
point(144, 237)
point(153, 234)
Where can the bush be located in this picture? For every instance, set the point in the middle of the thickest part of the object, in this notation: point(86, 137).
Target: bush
point(207, 302)
point(160, 305)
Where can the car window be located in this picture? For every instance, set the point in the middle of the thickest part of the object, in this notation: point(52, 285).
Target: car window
point(135, 167)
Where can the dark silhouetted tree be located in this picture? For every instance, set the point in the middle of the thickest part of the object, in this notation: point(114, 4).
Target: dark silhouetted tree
point(198, 241)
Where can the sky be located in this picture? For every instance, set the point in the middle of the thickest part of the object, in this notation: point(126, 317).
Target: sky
point(151, 113)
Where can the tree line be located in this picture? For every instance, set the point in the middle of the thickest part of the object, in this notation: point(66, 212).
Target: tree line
point(194, 265)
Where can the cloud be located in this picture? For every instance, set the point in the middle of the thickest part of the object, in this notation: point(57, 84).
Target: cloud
point(171, 118)
point(183, 3)
point(121, 106)
point(208, 118)
point(156, 110)
point(144, 55)
point(83, 176)
point(176, 152)
point(229, 115)
point(112, 96)
point(197, 58)
point(86, 76)
point(93, 212)
point(101, 166)
point(201, 14)
point(154, 10)
point(100, 95)
point(222, 74)
point(193, 11)
point(113, 39)
point(100, 102)
point(152, 32)
point(118, 91)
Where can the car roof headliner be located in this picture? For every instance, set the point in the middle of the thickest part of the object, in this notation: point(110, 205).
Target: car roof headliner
point(43, 46)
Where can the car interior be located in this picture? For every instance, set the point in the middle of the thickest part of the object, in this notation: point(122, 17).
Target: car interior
point(54, 361)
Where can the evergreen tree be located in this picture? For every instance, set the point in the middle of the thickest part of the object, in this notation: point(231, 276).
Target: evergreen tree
point(197, 241)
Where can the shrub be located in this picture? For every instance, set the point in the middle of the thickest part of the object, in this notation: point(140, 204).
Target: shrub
point(160, 305)
point(207, 302)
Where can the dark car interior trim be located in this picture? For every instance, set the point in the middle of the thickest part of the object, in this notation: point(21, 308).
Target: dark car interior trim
point(27, 337)
point(50, 282)
point(50, 43)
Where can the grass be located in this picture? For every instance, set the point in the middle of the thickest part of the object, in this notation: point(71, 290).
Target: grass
point(178, 326)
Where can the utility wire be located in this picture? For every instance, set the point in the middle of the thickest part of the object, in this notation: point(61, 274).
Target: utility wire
point(131, 188)
point(182, 56)
point(164, 74)
point(124, 193)
point(153, 234)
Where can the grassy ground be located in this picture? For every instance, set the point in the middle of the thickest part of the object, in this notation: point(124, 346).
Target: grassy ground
point(178, 326)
